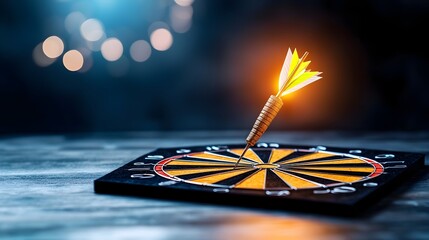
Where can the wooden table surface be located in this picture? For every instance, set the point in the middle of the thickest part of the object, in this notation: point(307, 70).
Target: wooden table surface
point(46, 192)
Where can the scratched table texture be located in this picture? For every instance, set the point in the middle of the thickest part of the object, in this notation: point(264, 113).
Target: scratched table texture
point(46, 192)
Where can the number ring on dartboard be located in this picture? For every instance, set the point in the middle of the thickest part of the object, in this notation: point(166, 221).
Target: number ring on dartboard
point(269, 169)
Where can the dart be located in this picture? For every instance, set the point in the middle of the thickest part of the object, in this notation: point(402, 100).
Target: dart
point(293, 76)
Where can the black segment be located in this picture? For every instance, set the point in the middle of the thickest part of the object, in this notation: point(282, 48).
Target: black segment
point(190, 158)
point(310, 178)
point(336, 157)
point(264, 155)
point(293, 155)
point(274, 182)
point(196, 175)
point(180, 167)
point(339, 165)
point(337, 172)
point(226, 154)
point(230, 154)
point(196, 160)
point(236, 179)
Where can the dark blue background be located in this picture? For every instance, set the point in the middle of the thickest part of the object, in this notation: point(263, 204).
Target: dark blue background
point(219, 74)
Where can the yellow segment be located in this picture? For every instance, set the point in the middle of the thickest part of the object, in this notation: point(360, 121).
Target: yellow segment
point(179, 172)
point(250, 154)
point(254, 181)
point(294, 181)
point(219, 176)
point(337, 161)
point(278, 154)
point(197, 163)
point(310, 156)
point(335, 177)
point(213, 156)
point(367, 169)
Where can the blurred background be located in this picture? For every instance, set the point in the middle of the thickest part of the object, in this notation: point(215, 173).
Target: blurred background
point(114, 65)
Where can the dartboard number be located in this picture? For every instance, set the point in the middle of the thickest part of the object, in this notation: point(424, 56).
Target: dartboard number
point(154, 157)
point(267, 145)
point(336, 190)
point(216, 148)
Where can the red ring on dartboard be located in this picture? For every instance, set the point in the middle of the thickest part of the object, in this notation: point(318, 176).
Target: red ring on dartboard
point(288, 169)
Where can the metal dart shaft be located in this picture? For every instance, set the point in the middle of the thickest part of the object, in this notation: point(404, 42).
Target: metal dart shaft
point(242, 154)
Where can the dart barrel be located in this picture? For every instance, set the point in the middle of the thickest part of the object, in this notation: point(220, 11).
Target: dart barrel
point(268, 113)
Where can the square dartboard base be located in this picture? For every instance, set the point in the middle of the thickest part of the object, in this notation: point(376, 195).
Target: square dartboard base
point(330, 180)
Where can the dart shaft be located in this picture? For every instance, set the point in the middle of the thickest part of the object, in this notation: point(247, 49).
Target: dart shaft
point(268, 113)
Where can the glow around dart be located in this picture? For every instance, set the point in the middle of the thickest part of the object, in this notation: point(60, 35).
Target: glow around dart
point(293, 76)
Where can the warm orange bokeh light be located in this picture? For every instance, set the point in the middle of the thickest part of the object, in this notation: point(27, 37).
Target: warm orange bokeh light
point(73, 60)
point(264, 226)
point(112, 49)
point(53, 47)
point(161, 39)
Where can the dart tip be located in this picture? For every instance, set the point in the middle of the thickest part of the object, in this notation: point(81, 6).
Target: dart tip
point(242, 154)
point(238, 161)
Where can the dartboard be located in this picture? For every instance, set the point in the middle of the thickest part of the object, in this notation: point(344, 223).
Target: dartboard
point(263, 168)
point(312, 178)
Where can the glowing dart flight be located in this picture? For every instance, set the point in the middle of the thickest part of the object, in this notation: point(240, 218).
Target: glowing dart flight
point(293, 76)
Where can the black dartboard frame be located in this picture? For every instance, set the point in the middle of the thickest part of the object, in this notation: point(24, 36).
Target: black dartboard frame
point(331, 180)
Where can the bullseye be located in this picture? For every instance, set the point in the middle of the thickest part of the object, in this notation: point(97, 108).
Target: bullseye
point(266, 166)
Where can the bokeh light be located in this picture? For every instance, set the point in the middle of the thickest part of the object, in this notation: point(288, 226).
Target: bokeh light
point(40, 58)
point(112, 49)
point(92, 30)
point(161, 39)
point(140, 51)
point(73, 60)
point(73, 21)
point(53, 47)
point(181, 18)
point(184, 3)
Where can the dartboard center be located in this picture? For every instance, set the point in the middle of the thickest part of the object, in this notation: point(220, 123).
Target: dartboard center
point(266, 166)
